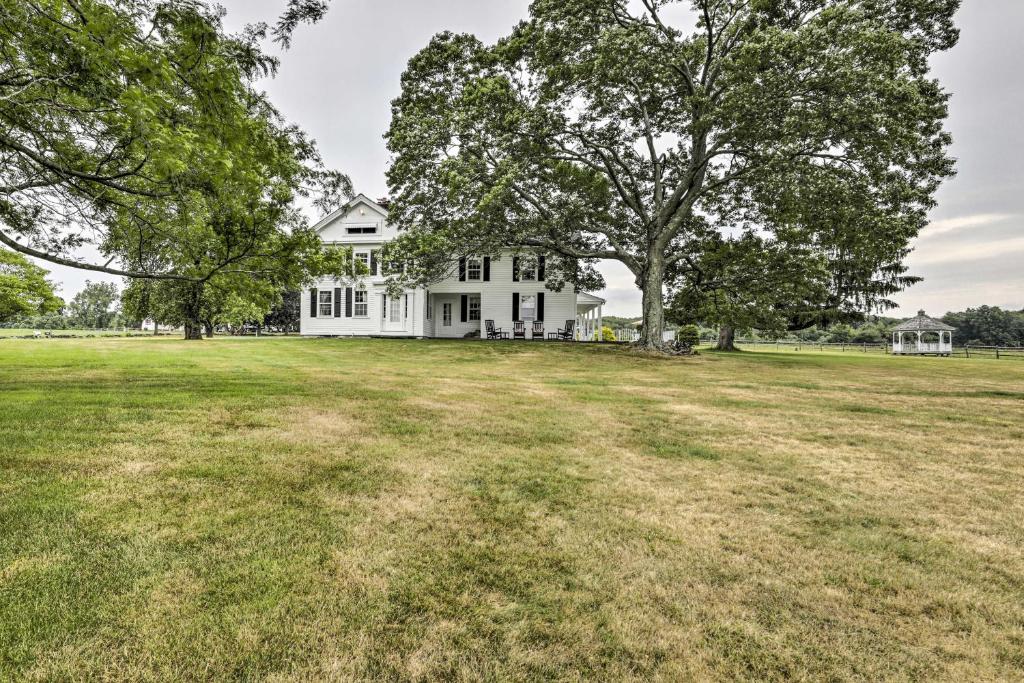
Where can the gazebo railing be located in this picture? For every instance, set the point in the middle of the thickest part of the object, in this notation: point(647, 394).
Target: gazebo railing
point(922, 347)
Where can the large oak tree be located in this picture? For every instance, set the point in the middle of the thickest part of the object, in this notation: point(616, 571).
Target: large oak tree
point(633, 131)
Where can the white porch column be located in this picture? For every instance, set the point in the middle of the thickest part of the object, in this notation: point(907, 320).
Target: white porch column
point(600, 322)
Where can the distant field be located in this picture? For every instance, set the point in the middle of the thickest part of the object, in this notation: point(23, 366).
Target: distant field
point(333, 509)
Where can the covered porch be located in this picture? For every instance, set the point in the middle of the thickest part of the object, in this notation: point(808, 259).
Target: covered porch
point(589, 317)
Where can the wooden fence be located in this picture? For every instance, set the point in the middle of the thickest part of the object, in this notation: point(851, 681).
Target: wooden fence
point(632, 335)
point(967, 351)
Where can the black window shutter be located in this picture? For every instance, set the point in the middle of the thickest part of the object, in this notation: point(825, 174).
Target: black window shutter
point(515, 269)
point(337, 302)
point(348, 302)
point(540, 306)
point(373, 262)
point(487, 268)
point(540, 269)
point(462, 269)
point(464, 313)
point(312, 302)
point(515, 306)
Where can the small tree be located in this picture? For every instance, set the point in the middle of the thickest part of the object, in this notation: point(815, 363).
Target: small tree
point(95, 307)
point(286, 315)
point(24, 289)
point(840, 334)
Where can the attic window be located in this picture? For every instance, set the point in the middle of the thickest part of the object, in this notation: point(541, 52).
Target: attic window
point(362, 230)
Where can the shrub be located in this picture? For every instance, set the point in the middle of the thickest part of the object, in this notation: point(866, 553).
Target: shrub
point(688, 335)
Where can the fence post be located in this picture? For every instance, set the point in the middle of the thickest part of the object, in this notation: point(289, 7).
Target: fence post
point(997, 353)
point(967, 350)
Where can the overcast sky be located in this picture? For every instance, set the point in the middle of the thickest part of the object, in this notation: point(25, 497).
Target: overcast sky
point(340, 76)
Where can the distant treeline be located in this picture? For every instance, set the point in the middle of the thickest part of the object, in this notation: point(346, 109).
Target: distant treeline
point(982, 326)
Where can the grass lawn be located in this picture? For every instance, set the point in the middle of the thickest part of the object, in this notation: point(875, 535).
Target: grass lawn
point(324, 509)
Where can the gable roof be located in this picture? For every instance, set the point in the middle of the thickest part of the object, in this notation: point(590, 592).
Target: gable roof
point(587, 298)
point(346, 207)
point(922, 323)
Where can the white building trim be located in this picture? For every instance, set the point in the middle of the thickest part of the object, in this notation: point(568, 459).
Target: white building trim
point(456, 307)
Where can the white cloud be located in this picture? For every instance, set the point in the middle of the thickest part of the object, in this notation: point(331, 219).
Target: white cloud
point(951, 253)
point(961, 222)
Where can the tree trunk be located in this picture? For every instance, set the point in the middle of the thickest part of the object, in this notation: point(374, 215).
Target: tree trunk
point(652, 286)
point(208, 327)
point(193, 309)
point(726, 338)
point(156, 328)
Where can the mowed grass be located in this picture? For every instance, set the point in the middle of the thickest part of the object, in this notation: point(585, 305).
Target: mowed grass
point(290, 509)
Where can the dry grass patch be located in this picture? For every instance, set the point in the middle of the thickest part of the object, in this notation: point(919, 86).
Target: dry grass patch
point(402, 510)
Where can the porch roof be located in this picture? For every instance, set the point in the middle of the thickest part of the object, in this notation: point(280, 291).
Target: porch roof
point(922, 323)
point(585, 301)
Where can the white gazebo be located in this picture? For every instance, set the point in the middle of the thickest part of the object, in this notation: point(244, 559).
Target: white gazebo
point(922, 336)
point(589, 316)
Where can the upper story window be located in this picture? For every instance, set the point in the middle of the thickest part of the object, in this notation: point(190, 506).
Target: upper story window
point(528, 272)
point(474, 269)
point(364, 258)
point(326, 303)
point(361, 230)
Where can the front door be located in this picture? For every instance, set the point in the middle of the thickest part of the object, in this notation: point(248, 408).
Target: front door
point(395, 313)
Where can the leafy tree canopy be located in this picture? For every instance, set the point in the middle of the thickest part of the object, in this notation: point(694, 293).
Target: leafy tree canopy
point(24, 289)
point(988, 325)
point(638, 131)
point(132, 128)
point(95, 307)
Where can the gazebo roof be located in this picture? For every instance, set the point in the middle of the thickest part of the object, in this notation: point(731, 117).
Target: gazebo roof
point(922, 323)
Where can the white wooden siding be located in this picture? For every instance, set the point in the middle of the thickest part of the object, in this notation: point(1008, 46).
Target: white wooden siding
point(495, 294)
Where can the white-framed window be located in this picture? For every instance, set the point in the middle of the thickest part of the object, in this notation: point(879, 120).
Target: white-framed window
point(474, 269)
point(528, 307)
point(528, 272)
point(361, 303)
point(362, 230)
point(446, 314)
point(474, 308)
point(364, 258)
point(326, 303)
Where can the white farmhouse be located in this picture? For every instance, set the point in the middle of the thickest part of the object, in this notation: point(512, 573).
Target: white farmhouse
point(484, 289)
